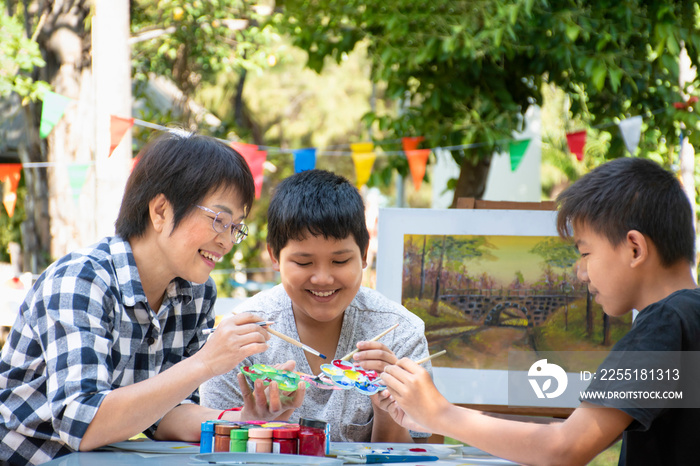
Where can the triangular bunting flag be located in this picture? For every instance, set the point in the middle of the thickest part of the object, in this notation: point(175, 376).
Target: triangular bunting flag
point(631, 130)
point(255, 159)
point(77, 173)
point(117, 129)
point(134, 161)
point(417, 159)
point(52, 110)
point(411, 143)
point(517, 151)
point(304, 159)
point(576, 141)
point(363, 157)
point(10, 174)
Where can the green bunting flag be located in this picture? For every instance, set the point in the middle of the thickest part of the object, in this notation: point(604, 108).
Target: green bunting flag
point(517, 151)
point(77, 173)
point(51, 111)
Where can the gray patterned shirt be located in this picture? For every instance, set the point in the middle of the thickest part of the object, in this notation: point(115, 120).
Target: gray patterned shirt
point(349, 412)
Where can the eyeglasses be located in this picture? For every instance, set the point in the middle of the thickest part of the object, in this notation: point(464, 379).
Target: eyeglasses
point(223, 221)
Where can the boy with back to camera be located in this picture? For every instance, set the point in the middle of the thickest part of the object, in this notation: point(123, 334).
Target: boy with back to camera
point(317, 240)
point(109, 341)
point(632, 225)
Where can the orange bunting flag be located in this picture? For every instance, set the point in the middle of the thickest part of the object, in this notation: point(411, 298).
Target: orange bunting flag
point(117, 129)
point(576, 141)
point(255, 159)
point(363, 157)
point(417, 158)
point(9, 176)
point(411, 143)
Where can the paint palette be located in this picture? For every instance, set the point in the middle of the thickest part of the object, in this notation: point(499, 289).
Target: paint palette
point(286, 380)
point(347, 376)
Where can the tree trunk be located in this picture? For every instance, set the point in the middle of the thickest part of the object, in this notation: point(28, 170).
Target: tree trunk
point(64, 216)
point(36, 238)
point(66, 47)
point(472, 178)
point(436, 296)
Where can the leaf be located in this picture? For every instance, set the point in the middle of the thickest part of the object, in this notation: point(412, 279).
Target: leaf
point(598, 74)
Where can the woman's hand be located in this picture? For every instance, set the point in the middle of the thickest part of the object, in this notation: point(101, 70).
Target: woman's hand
point(235, 339)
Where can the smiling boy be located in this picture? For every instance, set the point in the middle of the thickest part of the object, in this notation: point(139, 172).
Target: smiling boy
point(109, 341)
point(633, 227)
point(317, 240)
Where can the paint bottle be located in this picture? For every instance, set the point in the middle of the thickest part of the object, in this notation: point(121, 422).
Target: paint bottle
point(312, 437)
point(285, 440)
point(206, 439)
point(259, 440)
point(239, 440)
point(222, 436)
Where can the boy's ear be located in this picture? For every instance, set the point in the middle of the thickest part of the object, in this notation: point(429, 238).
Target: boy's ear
point(275, 261)
point(639, 247)
point(364, 257)
point(158, 211)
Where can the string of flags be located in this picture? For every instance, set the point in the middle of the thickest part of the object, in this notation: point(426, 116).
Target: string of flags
point(363, 153)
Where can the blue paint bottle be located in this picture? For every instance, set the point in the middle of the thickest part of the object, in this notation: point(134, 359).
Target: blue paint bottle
point(206, 439)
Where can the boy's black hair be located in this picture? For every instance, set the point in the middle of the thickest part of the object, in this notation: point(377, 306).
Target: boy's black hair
point(185, 167)
point(317, 202)
point(632, 194)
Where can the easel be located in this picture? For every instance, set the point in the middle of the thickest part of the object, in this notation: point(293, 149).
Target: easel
point(561, 413)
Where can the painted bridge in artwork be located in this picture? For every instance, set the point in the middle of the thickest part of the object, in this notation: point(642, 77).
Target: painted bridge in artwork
point(497, 308)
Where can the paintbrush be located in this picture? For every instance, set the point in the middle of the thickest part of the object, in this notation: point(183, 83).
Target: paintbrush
point(282, 336)
point(264, 323)
point(420, 361)
point(294, 342)
point(349, 355)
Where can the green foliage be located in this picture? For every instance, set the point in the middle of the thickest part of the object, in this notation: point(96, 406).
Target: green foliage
point(468, 70)
point(18, 58)
point(556, 253)
point(195, 41)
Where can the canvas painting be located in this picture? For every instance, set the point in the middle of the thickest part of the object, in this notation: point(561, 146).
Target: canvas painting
point(488, 283)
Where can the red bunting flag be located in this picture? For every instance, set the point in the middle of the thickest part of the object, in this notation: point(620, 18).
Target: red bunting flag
point(577, 142)
point(117, 129)
point(417, 158)
point(10, 174)
point(255, 159)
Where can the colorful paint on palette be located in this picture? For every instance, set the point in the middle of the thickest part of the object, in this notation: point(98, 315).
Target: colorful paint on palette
point(347, 375)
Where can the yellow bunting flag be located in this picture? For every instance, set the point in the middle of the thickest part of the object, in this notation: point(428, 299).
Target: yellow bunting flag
point(9, 176)
point(363, 157)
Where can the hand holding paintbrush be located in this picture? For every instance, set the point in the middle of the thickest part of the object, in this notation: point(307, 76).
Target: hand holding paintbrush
point(288, 339)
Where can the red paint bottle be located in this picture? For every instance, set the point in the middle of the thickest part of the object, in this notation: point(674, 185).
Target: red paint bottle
point(312, 437)
point(286, 440)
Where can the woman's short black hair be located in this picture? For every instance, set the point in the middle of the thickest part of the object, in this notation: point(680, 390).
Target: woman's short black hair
point(631, 194)
point(185, 167)
point(317, 202)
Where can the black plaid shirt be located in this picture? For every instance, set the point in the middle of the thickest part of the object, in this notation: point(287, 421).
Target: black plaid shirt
point(85, 329)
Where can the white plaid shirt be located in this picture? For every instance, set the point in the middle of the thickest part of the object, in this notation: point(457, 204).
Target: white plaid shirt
point(84, 330)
